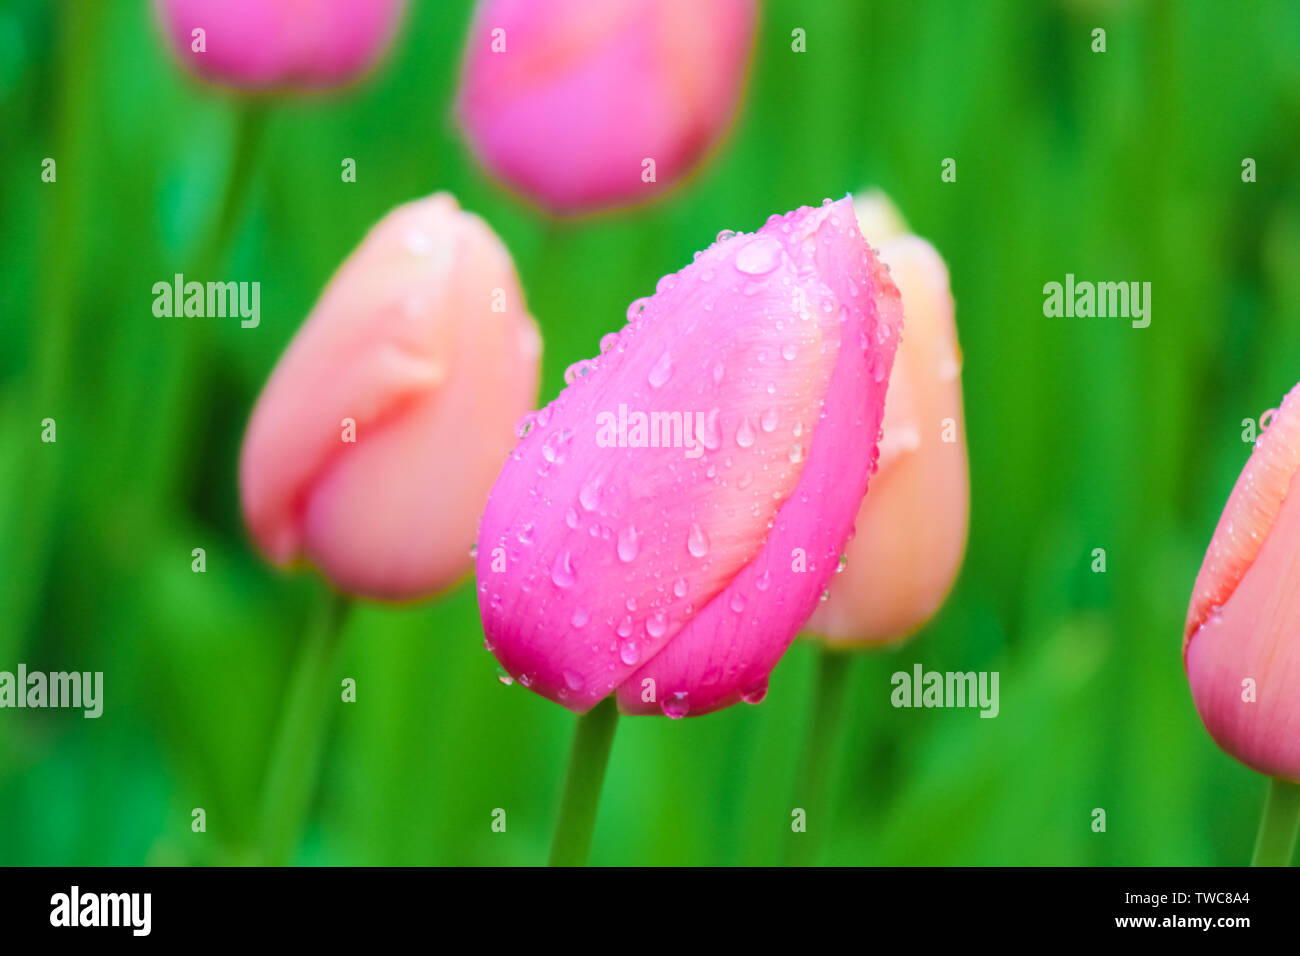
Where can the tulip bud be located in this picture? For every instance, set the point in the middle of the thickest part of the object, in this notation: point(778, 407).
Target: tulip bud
point(581, 105)
point(261, 44)
point(1241, 645)
point(374, 444)
point(911, 528)
point(671, 519)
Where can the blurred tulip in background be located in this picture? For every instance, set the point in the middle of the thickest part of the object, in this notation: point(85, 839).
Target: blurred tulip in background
point(581, 105)
point(911, 529)
point(280, 44)
point(374, 444)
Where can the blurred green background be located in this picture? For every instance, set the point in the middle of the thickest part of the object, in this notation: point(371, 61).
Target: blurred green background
point(1083, 433)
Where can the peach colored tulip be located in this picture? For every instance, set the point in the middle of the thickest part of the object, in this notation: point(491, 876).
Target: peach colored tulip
point(673, 567)
point(1241, 644)
point(566, 100)
point(268, 44)
point(421, 350)
point(911, 529)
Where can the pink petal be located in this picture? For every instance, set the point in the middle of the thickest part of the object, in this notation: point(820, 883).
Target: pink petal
point(405, 343)
point(593, 560)
point(584, 92)
point(260, 44)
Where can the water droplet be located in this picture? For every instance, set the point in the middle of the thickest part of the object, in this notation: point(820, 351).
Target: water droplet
point(589, 495)
point(624, 627)
point(504, 676)
point(473, 550)
point(697, 542)
point(562, 572)
point(657, 624)
point(679, 588)
point(573, 679)
point(629, 653)
point(745, 433)
point(768, 421)
point(525, 534)
point(580, 617)
point(607, 341)
point(796, 453)
point(662, 369)
point(737, 602)
point(755, 693)
point(628, 544)
point(759, 257)
point(844, 563)
point(571, 517)
point(763, 581)
point(676, 705)
point(708, 432)
point(789, 351)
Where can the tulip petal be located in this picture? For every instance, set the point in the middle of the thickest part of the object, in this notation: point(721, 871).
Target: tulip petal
point(384, 356)
point(1253, 637)
point(911, 528)
point(1247, 520)
point(726, 653)
point(594, 558)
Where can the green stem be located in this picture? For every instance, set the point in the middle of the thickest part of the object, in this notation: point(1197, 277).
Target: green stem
point(1275, 845)
point(300, 740)
point(591, 746)
point(180, 389)
point(812, 786)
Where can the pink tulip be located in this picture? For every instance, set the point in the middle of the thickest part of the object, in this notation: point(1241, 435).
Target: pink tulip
point(261, 44)
point(911, 528)
point(567, 100)
point(677, 575)
point(1241, 645)
point(374, 444)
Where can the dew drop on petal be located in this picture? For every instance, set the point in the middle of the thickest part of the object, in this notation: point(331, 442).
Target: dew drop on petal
point(662, 369)
point(676, 705)
point(745, 434)
point(697, 542)
point(657, 624)
point(759, 257)
point(628, 544)
point(755, 693)
point(562, 574)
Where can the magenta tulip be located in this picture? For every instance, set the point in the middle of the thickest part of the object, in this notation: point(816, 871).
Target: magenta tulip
point(671, 519)
point(374, 444)
point(1241, 644)
point(582, 105)
point(276, 44)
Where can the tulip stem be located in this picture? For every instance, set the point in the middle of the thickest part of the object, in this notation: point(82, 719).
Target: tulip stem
point(591, 746)
point(812, 786)
point(180, 383)
point(300, 738)
point(1278, 828)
